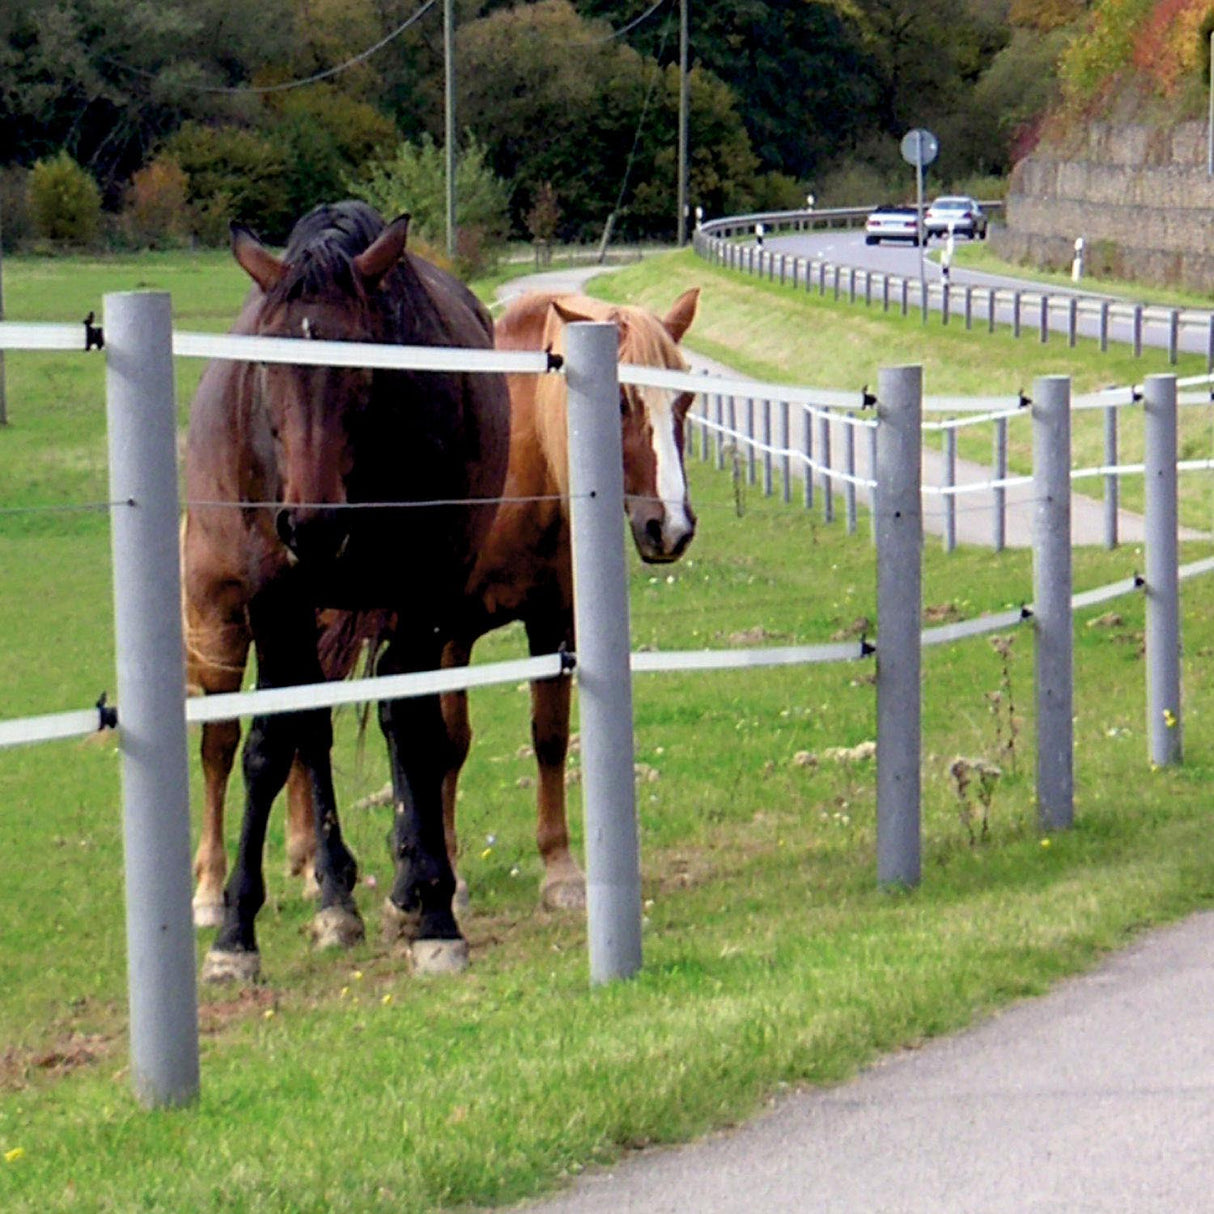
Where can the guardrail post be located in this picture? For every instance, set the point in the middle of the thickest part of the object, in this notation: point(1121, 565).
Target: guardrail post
point(999, 538)
point(905, 296)
point(945, 299)
point(1052, 601)
point(1104, 326)
point(1043, 320)
point(1164, 726)
point(990, 310)
point(1015, 313)
point(899, 515)
point(969, 307)
point(950, 482)
point(600, 579)
point(1072, 321)
point(141, 417)
point(1112, 485)
point(1173, 337)
point(1138, 330)
point(884, 292)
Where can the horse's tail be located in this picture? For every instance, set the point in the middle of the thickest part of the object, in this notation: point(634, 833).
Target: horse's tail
point(345, 636)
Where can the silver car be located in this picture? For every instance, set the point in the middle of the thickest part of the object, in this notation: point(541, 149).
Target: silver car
point(892, 223)
point(956, 213)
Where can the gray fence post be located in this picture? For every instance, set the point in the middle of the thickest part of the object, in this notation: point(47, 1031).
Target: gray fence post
point(950, 482)
point(1173, 337)
point(1052, 601)
point(1138, 330)
point(1043, 321)
point(1072, 321)
point(752, 456)
point(999, 537)
point(1104, 326)
point(849, 467)
point(767, 461)
point(1015, 313)
point(899, 609)
point(807, 421)
point(600, 579)
point(141, 417)
point(785, 458)
point(824, 458)
point(1164, 726)
point(1112, 486)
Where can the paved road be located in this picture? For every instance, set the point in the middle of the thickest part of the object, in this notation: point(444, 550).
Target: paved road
point(1098, 1097)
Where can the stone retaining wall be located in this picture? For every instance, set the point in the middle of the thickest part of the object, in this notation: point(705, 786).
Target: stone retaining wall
point(1139, 196)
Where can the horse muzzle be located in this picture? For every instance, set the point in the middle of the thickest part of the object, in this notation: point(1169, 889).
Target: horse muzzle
point(663, 537)
point(312, 536)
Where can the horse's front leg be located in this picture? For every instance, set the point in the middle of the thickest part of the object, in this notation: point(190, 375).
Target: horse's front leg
point(419, 908)
point(562, 887)
point(459, 741)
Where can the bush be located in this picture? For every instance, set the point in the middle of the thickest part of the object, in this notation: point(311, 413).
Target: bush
point(157, 211)
point(64, 201)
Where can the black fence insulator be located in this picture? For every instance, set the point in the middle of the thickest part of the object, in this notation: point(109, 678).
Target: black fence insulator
point(1136, 396)
point(107, 713)
point(568, 659)
point(868, 400)
point(1023, 400)
point(1026, 612)
point(867, 648)
point(1139, 581)
point(94, 337)
point(555, 361)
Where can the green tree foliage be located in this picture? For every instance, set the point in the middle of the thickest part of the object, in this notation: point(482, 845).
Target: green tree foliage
point(555, 98)
point(64, 201)
point(233, 174)
point(414, 180)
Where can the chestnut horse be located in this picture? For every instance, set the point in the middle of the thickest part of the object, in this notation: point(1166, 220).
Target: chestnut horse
point(524, 568)
point(299, 480)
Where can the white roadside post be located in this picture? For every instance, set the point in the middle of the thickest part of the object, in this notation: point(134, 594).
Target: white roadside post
point(141, 416)
point(600, 582)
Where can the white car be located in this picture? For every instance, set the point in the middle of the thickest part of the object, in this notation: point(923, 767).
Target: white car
point(892, 223)
point(956, 213)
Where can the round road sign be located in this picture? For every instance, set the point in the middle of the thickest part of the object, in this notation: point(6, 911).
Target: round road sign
point(919, 147)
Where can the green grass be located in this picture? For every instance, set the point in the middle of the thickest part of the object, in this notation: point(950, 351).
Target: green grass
point(771, 958)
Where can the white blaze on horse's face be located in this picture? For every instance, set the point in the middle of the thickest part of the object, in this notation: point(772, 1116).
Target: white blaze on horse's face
point(656, 498)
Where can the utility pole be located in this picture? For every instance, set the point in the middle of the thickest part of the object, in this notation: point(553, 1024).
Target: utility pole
point(681, 228)
point(449, 84)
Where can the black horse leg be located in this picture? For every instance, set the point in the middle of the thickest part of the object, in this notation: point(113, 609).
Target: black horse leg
point(419, 907)
point(268, 752)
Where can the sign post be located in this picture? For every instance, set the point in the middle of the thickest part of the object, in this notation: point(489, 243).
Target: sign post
point(920, 148)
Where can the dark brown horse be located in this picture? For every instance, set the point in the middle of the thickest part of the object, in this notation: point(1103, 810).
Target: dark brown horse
point(523, 570)
point(300, 480)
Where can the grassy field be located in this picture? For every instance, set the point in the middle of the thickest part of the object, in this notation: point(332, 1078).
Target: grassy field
point(771, 958)
point(778, 333)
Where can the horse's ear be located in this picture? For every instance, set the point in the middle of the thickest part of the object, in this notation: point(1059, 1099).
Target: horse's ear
point(567, 314)
point(255, 259)
point(682, 312)
point(384, 252)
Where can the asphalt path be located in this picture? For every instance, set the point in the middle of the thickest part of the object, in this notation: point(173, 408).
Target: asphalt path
point(1097, 1098)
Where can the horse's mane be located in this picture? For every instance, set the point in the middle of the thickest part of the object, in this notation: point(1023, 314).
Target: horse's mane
point(643, 341)
point(320, 252)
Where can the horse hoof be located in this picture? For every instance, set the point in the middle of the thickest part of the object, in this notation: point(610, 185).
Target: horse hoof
point(433, 957)
point(568, 894)
point(336, 927)
point(398, 926)
point(208, 914)
point(222, 965)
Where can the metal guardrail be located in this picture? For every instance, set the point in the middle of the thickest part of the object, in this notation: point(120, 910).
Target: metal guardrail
point(1030, 308)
